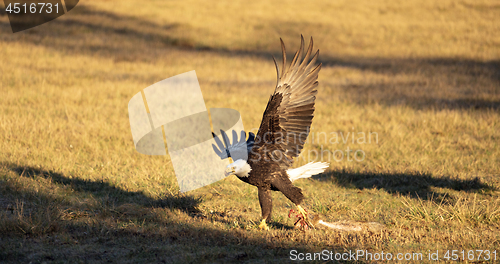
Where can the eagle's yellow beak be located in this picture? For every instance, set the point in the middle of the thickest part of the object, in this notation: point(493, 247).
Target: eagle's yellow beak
point(229, 171)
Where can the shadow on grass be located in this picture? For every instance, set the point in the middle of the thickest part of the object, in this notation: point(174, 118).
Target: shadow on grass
point(104, 190)
point(54, 229)
point(177, 243)
point(414, 185)
point(280, 225)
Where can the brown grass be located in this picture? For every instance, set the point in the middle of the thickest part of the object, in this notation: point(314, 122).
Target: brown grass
point(423, 75)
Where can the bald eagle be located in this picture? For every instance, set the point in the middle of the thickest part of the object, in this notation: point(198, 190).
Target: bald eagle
point(284, 129)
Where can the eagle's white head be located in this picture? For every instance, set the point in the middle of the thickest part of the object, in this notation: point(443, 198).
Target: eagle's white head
point(239, 168)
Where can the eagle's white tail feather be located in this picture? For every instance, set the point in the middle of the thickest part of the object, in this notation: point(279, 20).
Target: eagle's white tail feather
point(306, 171)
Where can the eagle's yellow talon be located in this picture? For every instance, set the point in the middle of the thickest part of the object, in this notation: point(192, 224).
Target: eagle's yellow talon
point(263, 225)
point(304, 214)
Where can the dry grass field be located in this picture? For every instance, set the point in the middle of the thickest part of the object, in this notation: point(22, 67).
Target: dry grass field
point(421, 77)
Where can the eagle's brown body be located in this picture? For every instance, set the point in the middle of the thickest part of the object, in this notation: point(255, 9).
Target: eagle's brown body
point(284, 129)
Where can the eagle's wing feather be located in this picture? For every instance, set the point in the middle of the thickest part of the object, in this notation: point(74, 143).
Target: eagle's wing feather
point(290, 110)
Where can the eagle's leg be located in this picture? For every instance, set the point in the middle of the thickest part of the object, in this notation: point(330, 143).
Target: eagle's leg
point(304, 215)
point(266, 205)
point(294, 194)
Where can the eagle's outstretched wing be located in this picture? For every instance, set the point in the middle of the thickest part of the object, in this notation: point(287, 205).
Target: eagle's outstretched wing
point(288, 116)
point(239, 149)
